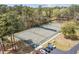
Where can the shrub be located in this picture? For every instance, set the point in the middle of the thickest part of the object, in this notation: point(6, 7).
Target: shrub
point(68, 28)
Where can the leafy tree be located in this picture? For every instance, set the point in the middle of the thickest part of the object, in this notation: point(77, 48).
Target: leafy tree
point(3, 9)
point(74, 9)
point(3, 28)
point(68, 28)
point(56, 13)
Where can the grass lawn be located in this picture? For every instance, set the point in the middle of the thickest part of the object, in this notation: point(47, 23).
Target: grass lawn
point(63, 43)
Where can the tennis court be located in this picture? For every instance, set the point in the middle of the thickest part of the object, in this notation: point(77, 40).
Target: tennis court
point(38, 35)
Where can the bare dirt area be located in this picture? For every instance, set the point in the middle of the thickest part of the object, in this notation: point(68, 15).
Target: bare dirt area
point(18, 48)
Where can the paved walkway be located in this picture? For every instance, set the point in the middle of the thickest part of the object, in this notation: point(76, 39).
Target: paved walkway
point(71, 51)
